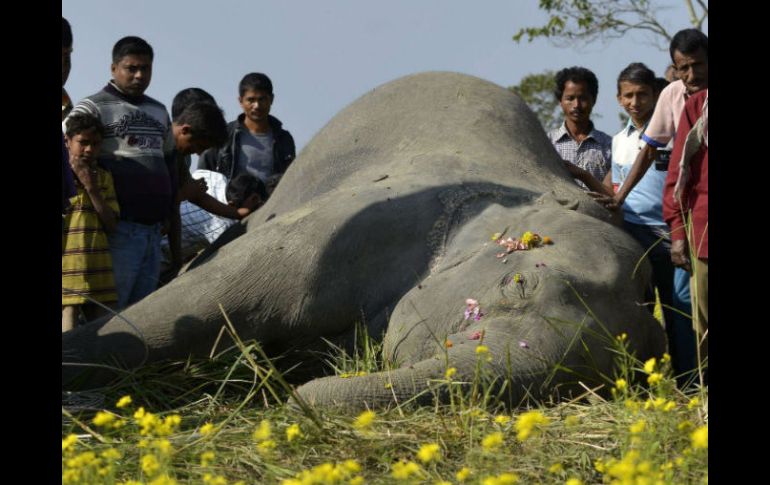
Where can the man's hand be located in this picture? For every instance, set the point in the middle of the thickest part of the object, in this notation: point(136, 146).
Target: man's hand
point(608, 202)
point(252, 203)
point(679, 255)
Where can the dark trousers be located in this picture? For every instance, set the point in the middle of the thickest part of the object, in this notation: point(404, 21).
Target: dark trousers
point(674, 290)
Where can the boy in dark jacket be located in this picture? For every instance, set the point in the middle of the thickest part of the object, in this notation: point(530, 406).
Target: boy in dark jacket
point(256, 142)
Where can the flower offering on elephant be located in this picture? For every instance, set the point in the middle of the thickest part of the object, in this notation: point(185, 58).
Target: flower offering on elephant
point(472, 309)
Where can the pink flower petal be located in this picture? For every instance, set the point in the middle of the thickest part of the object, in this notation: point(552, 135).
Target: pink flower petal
point(475, 335)
point(523, 344)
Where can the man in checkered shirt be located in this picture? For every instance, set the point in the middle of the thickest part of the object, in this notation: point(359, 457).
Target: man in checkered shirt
point(588, 150)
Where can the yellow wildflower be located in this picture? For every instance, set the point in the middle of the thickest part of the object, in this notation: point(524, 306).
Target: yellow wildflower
point(450, 372)
point(693, 403)
point(359, 480)
point(163, 480)
point(168, 425)
point(621, 384)
point(666, 358)
point(207, 457)
point(388, 385)
point(655, 378)
point(669, 406)
point(150, 464)
point(517, 278)
point(442, 482)
point(700, 437)
point(403, 470)
point(206, 429)
point(262, 432)
point(351, 466)
point(502, 419)
point(638, 426)
point(556, 468)
point(364, 420)
point(528, 422)
point(463, 474)
point(429, 452)
point(163, 446)
point(210, 479)
point(119, 423)
point(649, 366)
point(530, 239)
point(684, 426)
point(123, 402)
point(111, 454)
point(600, 466)
point(482, 349)
point(266, 446)
point(571, 420)
point(69, 442)
point(496, 236)
point(103, 418)
point(292, 432)
point(492, 441)
point(622, 337)
point(574, 481)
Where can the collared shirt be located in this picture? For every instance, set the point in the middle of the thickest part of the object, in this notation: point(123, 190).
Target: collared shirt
point(665, 119)
point(593, 154)
point(644, 204)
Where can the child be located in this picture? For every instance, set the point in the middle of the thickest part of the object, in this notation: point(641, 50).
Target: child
point(200, 228)
point(86, 262)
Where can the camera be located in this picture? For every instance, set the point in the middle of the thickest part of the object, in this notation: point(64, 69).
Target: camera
point(661, 159)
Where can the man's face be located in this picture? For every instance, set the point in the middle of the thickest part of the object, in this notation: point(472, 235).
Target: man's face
point(133, 74)
point(577, 102)
point(66, 64)
point(85, 145)
point(637, 99)
point(693, 69)
point(187, 143)
point(256, 104)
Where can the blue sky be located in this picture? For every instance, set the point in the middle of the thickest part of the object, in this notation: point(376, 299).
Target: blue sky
point(322, 55)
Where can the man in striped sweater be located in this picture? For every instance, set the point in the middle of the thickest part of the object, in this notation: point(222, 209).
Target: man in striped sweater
point(136, 147)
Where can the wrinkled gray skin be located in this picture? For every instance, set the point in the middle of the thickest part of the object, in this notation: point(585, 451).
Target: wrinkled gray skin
point(338, 243)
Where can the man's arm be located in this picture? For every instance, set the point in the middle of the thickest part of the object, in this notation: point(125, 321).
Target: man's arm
point(638, 169)
point(585, 176)
point(212, 205)
point(673, 210)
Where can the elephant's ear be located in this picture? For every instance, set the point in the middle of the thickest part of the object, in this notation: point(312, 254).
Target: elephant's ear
point(231, 233)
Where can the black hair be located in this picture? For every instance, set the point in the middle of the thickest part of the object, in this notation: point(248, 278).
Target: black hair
point(689, 41)
point(79, 122)
point(242, 186)
point(66, 33)
point(254, 81)
point(186, 97)
point(637, 73)
point(660, 84)
point(576, 75)
point(131, 46)
point(206, 122)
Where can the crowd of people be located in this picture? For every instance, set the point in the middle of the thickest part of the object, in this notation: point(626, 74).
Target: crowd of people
point(665, 206)
point(133, 213)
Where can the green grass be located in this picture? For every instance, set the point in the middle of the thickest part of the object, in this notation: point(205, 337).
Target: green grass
point(590, 439)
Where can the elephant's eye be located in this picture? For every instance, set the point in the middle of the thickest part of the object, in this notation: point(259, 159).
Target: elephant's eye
point(518, 285)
